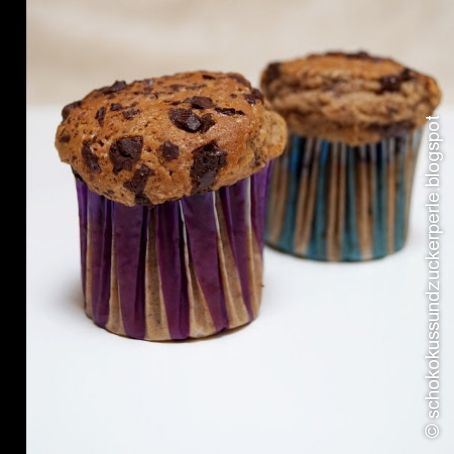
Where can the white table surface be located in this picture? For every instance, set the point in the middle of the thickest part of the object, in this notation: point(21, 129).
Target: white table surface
point(334, 363)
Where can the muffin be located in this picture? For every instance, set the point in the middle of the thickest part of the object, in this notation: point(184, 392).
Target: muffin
point(171, 176)
point(342, 190)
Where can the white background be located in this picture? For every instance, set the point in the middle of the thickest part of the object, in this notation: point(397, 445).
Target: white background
point(334, 363)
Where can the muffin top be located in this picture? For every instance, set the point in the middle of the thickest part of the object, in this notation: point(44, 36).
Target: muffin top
point(164, 138)
point(354, 98)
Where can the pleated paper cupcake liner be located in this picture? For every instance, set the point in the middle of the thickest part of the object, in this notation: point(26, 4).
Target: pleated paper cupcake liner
point(330, 201)
point(183, 269)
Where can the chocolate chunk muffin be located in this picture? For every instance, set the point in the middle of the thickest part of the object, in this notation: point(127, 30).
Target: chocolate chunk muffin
point(171, 176)
point(342, 189)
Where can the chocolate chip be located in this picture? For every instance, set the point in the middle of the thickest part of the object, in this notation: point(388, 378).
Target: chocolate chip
point(114, 88)
point(138, 181)
point(177, 87)
point(228, 111)
point(185, 119)
point(90, 159)
point(240, 79)
point(259, 160)
point(194, 86)
point(67, 109)
point(208, 77)
point(77, 176)
point(100, 114)
point(406, 74)
point(393, 82)
point(207, 123)
point(64, 137)
point(359, 55)
point(254, 96)
point(207, 160)
point(125, 152)
point(272, 72)
point(169, 151)
point(200, 102)
point(130, 113)
point(142, 199)
point(389, 83)
point(396, 129)
point(115, 106)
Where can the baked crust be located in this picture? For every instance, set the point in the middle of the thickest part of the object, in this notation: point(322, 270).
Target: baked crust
point(355, 98)
point(164, 138)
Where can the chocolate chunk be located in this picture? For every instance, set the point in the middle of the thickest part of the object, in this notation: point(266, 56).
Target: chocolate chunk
point(393, 82)
point(185, 119)
point(64, 137)
point(208, 77)
point(207, 160)
point(389, 83)
point(254, 96)
point(259, 160)
point(207, 123)
point(228, 111)
point(169, 151)
point(359, 55)
point(67, 109)
point(100, 114)
point(406, 74)
point(396, 129)
point(77, 176)
point(194, 86)
point(142, 199)
point(177, 87)
point(115, 106)
point(138, 181)
point(114, 88)
point(240, 79)
point(89, 158)
point(130, 113)
point(272, 72)
point(125, 152)
point(200, 102)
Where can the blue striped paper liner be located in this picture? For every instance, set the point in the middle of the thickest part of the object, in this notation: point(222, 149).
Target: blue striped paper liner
point(369, 216)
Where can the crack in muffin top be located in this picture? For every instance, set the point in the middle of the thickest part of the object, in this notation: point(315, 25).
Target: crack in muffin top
point(354, 98)
point(165, 138)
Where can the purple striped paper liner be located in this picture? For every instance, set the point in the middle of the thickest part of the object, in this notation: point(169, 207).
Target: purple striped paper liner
point(184, 269)
point(82, 190)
